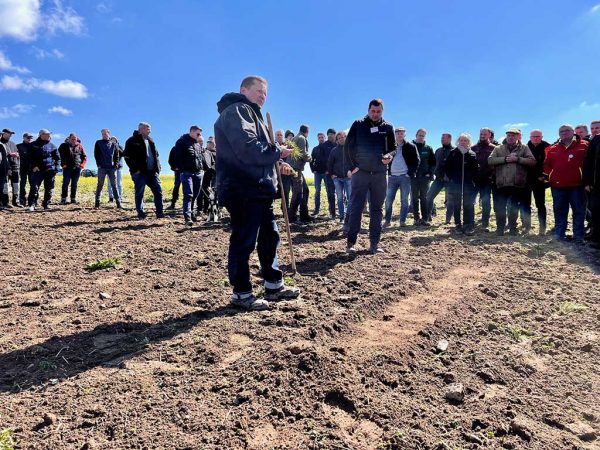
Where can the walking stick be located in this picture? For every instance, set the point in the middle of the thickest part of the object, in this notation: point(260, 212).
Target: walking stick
point(283, 202)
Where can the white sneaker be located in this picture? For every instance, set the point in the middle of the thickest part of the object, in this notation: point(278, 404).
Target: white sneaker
point(249, 302)
point(32, 208)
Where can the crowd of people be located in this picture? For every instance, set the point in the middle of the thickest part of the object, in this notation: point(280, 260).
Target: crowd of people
point(367, 165)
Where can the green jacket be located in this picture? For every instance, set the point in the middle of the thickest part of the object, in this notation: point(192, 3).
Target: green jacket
point(511, 174)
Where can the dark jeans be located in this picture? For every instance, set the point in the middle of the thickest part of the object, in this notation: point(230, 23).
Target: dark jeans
point(286, 180)
point(25, 178)
point(329, 189)
point(299, 198)
point(539, 195)
point(434, 190)
point(485, 195)
point(176, 184)
point(395, 183)
point(364, 183)
point(111, 175)
point(562, 198)
point(594, 206)
point(70, 176)
point(418, 191)
point(47, 177)
point(466, 204)
point(203, 198)
point(253, 225)
point(508, 198)
point(191, 183)
point(152, 180)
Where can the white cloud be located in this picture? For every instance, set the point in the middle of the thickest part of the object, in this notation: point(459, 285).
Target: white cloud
point(58, 136)
point(60, 110)
point(586, 105)
point(104, 7)
point(11, 112)
point(64, 19)
point(62, 88)
point(516, 125)
point(40, 53)
point(595, 9)
point(6, 64)
point(20, 19)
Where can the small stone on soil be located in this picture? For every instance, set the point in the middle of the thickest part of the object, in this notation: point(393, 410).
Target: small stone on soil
point(455, 393)
point(104, 295)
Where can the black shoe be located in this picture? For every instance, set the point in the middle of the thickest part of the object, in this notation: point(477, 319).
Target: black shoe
point(97, 204)
point(194, 218)
point(110, 200)
point(160, 215)
point(513, 232)
point(171, 207)
point(73, 201)
point(141, 215)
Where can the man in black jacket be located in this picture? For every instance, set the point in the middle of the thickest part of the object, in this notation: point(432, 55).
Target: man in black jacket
point(107, 153)
point(441, 180)
point(536, 183)
point(73, 159)
point(591, 180)
point(24, 149)
point(45, 162)
point(370, 145)
point(339, 167)
point(318, 164)
point(247, 186)
point(188, 157)
point(142, 158)
point(401, 171)
point(483, 149)
point(12, 168)
point(422, 179)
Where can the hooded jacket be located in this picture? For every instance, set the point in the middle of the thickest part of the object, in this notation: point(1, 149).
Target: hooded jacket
point(107, 154)
point(44, 156)
point(72, 157)
point(246, 157)
point(367, 142)
point(511, 174)
point(564, 165)
point(136, 155)
point(188, 154)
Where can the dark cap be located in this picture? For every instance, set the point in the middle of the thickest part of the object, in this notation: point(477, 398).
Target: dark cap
point(8, 130)
point(27, 135)
point(331, 130)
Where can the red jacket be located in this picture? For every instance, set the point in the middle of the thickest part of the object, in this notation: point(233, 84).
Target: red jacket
point(563, 166)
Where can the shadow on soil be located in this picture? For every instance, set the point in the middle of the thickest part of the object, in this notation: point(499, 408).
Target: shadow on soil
point(62, 357)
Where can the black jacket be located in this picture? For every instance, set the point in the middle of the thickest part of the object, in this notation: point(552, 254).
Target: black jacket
point(441, 155)
point(428, 161)
point(107, 154)
point(246, 157)
point(4, 165)
point(539, 153)
point(72, 157)
point(486, 172)
point(367, 142)
point(136, 156)
point(24, 155)
point(338, 163)
point(44, 156)
point(411, 158)
point(591, 165)
point(12, 161)
point(454, 169)
point(188, 154)
point(320, 157)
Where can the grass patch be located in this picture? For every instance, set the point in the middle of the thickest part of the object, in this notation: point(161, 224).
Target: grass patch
point(517, 333)
point(6, 442)
point(101, 264)
point(289, 281)
point(570, 307)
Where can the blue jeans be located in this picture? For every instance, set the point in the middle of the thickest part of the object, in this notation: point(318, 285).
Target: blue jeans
point(191, 183)
point(70, 176)
point(329, 189)
point(110, 174)
point(396, 182)
point(434, 190)
point(152, 180)
point(253, 225)
point(562, 198)
point(364, 183)
point(119, 177)
point(343, 191)
point(485, 195)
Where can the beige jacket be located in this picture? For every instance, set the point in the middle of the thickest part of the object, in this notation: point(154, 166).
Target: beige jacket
point(511, 174)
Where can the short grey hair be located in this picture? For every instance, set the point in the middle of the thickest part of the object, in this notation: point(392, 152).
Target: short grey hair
point(465, 135)
point(144, 125)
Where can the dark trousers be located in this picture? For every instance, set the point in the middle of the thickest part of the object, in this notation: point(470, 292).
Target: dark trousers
point(253, 225)
point(299, 198)
point(47, 177)
point(485, 195)
point(562, 198)
point(539, 196)
point(203, 198)
point(507, 203)
point(363, 183)
point(3, 187)
point(152, 180)
point(434, 190)
point(594, 207)
point(25, 178)
point(176, 184)
point(191, 183)
point(464, 204)
point(418, 192)
point(70, 176)
point(329, 189)
point(286, 180)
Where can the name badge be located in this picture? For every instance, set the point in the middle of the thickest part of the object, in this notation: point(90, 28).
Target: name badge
point(374, 129)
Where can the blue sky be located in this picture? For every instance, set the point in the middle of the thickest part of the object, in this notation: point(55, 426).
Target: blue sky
point(84, 65)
